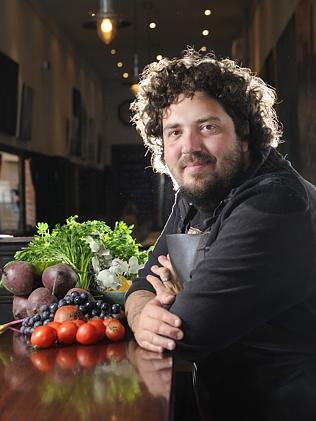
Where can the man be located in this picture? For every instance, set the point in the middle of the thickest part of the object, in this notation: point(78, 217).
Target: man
point(211, 126)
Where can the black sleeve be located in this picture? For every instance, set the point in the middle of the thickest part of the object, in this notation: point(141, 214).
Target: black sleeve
point(140, 283)
point(259, 265)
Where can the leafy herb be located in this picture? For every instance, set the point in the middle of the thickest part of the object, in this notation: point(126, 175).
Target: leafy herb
point(68, 244)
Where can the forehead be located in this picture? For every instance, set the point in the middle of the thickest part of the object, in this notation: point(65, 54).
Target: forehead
point(199, 105)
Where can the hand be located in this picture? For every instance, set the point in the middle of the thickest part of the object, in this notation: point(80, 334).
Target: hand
point(166, 274)
point(156, 328)
point(154, 369)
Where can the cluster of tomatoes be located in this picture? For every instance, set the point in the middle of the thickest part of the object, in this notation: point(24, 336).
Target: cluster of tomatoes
point(77, 331)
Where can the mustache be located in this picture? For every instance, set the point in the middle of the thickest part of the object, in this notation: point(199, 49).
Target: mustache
point(198, 157)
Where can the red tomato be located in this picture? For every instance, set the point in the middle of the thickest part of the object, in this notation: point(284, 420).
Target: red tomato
point(78, 322)
point(115, 331)
point(98, 323)
point(44, 336)
point(87, 334)
point(44, 360)
point(55, 325)
point(67, 358)
point(66, 332)
point(107, 321)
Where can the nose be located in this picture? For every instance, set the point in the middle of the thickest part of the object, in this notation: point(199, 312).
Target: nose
point(191, 141)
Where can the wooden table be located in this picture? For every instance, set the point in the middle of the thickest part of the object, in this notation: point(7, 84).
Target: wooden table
point(107, 381)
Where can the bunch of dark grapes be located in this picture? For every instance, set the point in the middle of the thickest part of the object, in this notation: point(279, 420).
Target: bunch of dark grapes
point(89, 308)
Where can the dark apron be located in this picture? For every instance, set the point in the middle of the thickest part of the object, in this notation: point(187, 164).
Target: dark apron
point(185, 250)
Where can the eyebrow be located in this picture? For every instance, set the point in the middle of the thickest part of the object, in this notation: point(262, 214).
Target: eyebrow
point(199, 120)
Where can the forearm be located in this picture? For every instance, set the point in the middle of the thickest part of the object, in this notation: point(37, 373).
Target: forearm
point(135, 304)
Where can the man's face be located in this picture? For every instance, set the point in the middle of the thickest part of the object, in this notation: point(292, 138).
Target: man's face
point(201, 148)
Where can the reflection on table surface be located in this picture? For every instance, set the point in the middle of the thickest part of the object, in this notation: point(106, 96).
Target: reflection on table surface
point(258, 385)
point(106, 381)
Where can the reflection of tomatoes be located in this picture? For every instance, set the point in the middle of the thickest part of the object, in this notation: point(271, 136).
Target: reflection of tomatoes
point(66, 333)
point(67, 358)
point(44, 336)
point(87, 356)
point(98, 323)
point(87, 334)
point(44, 360)
point(115, 351)
point(115, 331)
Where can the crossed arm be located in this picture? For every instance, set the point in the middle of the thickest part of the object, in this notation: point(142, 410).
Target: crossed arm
point(154, 327)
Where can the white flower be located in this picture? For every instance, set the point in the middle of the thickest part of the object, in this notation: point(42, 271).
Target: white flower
point(94, 246)
point(133, 266)
point(96, 264)
point(118, 267)
point(106, 256)
point(106, 279)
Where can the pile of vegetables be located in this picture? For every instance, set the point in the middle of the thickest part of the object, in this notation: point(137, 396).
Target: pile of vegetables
point(89, 255)
point(91, 248)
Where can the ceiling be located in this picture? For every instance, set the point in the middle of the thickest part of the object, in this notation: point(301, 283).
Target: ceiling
point(179, 24)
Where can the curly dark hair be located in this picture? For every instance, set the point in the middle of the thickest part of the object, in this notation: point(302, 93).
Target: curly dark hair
point(247, 99)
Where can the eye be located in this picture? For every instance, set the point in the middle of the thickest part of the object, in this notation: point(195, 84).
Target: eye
point(209, 128)
point(174, 133)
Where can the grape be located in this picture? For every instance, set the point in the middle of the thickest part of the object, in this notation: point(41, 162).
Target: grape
point(36, 317)
point(22, 329)
point(77, 300)
point(84, 297)
point(45, 315)
point(90, 305)
point(74, 294)
point(105, 307)
point(53, 307)
point(69, 299)
point(116, 308)
point(94, 312)
point(62, 303)
point(43, 308)
point(45, 322)
point(38, 323)
point(99, 303)
point(83, 309)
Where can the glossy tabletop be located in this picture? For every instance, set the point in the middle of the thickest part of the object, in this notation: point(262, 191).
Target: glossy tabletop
point(107, 381)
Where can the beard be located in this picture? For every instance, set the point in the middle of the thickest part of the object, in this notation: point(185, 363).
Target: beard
point(207, 191)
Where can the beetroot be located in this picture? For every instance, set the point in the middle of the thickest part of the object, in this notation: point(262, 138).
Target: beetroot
point(19, 307)
point(18, 277)
point(59, 279)
point(37, 298)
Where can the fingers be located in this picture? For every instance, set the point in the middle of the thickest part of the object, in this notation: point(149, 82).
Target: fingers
point(157, 329)
point(163, 273)
point(167, 274)
point(154, 342)
point(164, 291)
point(165, 262)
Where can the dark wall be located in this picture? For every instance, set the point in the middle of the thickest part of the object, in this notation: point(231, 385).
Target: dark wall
point(64, 189)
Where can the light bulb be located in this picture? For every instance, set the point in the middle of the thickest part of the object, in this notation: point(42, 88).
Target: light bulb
point(106, 29)
point(134, 88)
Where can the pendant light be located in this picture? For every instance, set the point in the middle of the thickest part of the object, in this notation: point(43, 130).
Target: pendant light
point(106, 21)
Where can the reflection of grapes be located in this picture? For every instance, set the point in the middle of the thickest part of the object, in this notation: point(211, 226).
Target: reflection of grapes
point(89, 308)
